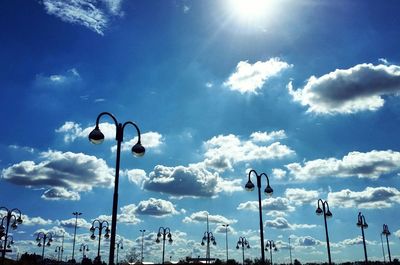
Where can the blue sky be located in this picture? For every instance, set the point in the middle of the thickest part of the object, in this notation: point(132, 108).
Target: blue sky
point(305, 91)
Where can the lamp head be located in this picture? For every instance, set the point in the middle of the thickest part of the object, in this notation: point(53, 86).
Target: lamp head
point(19, 220)
point(96, 136)
point(14, 226)
point(158, 240)
point(318, 211)
point(359, 224)
point(39, 244)
point(138, 150)
point(170, 240)
point(237, 246)
point(107, 236)
point(92, 229)
point(92, 237)
point(48, 244)
point(202, 243)
point(365, 225)
point(248, 245)
point(158, 234)
point(249, 186)
point(268, 190)
point(2, 228)
point(328, 214)
point(214, 243)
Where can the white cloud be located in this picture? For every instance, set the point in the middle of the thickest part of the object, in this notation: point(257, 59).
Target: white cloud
point(137, 176)
point(93, 14)
point(354, 241)
point(249, 78)
point(282, 223)
point(70, 223)
point(278, 204)
point(371, 165)
point(201, 217)
point(69, 77)
point(352, 90)
point(150, 140)
point(301, 196)
point(370, 198)
point(59, 193)
point(155, 207)
point(267, 137)
point(30, 221)
point(397, 233)
point(68, 173)
point(224, 151)
point(278, 173)
point(306, 241)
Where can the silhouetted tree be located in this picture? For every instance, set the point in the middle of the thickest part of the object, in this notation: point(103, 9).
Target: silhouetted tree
point(297, 262)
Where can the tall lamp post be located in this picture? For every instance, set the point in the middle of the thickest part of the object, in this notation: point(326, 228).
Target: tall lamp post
point(12, 216)
point(44, 240)
point(208, 237)
point(120, 245)
point(226, 239)
point(164, 232)
point(242, 242)
point(58, 250)
point(99, 225)
point(290, 252)
point(327, 214)
point(272, 247)
point(387, 233)
point(142, 231)
point(97, 137)
point(76, 214)
point(84, 247)
point(363, 224)
point(383, 250)
point(268, 190)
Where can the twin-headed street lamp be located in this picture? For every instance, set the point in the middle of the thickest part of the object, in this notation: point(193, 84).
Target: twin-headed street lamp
point(387, 233)
point(59, 250)
point(83, 248)
point(76, 214)
point(268, 190)
point(164, 232)
point(44, 240)
point(272, 247)
point(226, 239)
point(142, 231)
point(119, 245)
point(208, 238)
point(242, 242)
point(99, 225)
point(12, 216)
point(327, 214)
point(97, 137)
point(363, 224)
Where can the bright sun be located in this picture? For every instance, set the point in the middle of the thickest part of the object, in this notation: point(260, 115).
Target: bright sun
point(250, 10)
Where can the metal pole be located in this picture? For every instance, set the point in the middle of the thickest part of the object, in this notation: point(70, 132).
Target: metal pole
point(142, 242)
point(261, 222)
point(290, 252)
point(243, 252)
point(270, 253)
point(76, 222)
point(44, 244)
point(117, 252)
point(62, 247)
point(226, 240)
point(98, 246)
point(365, 247)
point(383, 251)
point(8, 218)
point(387, 242)
point(327, 236)
point(163, 247)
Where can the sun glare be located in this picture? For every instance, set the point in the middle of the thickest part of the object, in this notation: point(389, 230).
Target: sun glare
point(250, 10)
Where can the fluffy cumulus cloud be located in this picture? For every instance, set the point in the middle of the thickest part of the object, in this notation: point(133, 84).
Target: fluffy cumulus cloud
point(354, 241)
point(67, 78)
point(282, 223)
point(31, 221)
point(358, 88)
point(370, 198)
point(73, 130)
point(155, 207)
point(306, 241)
point(371, 165)
point(249, 78)
point(70, 223)
point(224, 151)
point(64, 175)
point(397, 233)
point(193, 181)
point(301, 196)
point(202, 218)
point(93, 14)
point(273, 206)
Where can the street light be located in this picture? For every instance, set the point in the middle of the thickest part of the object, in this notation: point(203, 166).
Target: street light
point(59, 250)
point(142, 231)
point(97, 137)
point(83, 248)
point(9, 244)
point(44, 240)
point(120, 245)
point(12, 216)
point(272, 247)
point(387, 233)
point(327, 214)
point(164, 232)
point(268, 190)
point(243, 243)
point(100, 226)
point(76, 214)
point(290, 252)
point(363, 224)
point(209, 238)
point(226, 239)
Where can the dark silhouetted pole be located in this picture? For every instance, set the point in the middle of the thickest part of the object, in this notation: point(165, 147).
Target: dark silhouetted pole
point(242, 242)
point(120, 245)
point(290, 252)
point(268, 190)
point(83, 249)
point(164, 232)
point(13, 215)
point(100, 225)
point(208, 237)
point(363, 224)
point(327, 213)
point(76, 214)
point(387, 233)
point(142, 231)
point(272, 247)
point(383, 250)
point(47, 238)
point(97, 137)
point(226, 239)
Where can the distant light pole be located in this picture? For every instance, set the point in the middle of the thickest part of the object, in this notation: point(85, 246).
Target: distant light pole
point(272, 247)
point(58, 250)
point(226, 239)
point(97, 137)
point(44, 239)
point(363, 224)
point(83, 249)
point(9, 244)
point(208, 237)
point(142, 231)
point(383, 250)
point(268, 190)
point(14, 216)
point(327, 214)
point(242, 242)
point(62, 247)
point(387, 233)
point(164, 232)
point(120, 245)
point(290, 252)
point(76, 214)
point(100, 226)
